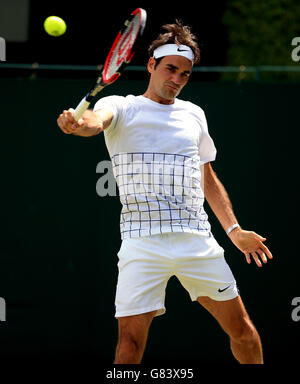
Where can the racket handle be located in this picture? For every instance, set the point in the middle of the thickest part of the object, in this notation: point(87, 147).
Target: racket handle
point(81, 108)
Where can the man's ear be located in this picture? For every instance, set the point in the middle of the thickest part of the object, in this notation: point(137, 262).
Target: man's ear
point(151, 64)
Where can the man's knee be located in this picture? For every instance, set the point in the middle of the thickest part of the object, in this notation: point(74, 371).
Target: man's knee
point(129, 342)
point(243, 330)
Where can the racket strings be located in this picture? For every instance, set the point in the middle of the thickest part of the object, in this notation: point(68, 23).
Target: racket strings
point(121, 49)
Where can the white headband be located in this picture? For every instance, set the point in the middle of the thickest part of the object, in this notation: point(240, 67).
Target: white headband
point(173, 49)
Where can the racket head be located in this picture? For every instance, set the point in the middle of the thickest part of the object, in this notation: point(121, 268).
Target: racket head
point(122, 49)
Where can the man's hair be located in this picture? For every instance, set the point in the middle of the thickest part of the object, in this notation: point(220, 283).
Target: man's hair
point(177, 34)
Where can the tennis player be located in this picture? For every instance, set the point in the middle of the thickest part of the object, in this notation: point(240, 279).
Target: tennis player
point(161, 153)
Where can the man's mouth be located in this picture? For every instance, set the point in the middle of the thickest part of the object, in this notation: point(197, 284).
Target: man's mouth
point(174, 87)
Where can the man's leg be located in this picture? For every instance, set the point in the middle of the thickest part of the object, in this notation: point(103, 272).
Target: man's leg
point(133, 333)
point(233, 318)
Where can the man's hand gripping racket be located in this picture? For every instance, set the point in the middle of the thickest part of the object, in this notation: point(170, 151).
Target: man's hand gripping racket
point(119, 56)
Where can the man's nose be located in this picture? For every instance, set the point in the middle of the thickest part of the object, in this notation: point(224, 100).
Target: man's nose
point(176, 79)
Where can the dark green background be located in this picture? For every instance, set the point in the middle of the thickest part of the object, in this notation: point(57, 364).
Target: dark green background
point(58, 261)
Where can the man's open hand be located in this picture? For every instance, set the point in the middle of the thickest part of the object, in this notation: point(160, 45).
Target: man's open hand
point(251, 244)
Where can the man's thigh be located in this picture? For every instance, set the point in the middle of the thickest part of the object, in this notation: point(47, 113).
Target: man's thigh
point(135, 327)
point(230, 314)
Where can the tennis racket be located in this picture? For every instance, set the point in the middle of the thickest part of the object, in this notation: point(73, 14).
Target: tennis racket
point(118, 57)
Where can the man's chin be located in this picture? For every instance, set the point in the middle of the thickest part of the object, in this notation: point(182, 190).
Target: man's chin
point(171, 95)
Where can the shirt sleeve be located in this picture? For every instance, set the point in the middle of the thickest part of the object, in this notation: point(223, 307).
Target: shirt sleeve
point(207, 149)
point(113, 104)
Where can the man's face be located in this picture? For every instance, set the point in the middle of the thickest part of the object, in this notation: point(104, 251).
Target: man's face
point(169, 77)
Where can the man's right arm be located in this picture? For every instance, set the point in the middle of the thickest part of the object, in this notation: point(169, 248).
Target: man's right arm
point(90, 124)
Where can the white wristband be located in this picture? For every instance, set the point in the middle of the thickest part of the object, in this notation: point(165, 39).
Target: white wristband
point(230, 229)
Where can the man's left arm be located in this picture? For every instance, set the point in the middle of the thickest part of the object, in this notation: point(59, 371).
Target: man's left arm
point(248, 242)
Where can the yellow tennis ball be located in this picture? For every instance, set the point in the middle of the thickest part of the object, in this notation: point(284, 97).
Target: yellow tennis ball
point(55, 26)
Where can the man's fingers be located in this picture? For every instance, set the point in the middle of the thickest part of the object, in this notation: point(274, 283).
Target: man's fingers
point(262, 255)
point(248, 258)
point(259, 237)
point(256, 259)
point(67, 122)
point(257, 256)
point(62, 123)
point(77, 124)
point(266, 251)
point(262, 247)
point(70, 115)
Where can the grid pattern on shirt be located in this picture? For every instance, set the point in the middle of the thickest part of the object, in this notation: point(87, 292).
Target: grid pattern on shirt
point(159, 192)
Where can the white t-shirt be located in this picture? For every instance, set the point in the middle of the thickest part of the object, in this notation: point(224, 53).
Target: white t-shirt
point(157, 151)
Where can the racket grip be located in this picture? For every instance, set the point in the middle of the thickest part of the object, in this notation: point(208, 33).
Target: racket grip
point(81, 108)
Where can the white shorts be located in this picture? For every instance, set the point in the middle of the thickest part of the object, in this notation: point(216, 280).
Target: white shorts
point(146, 264)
